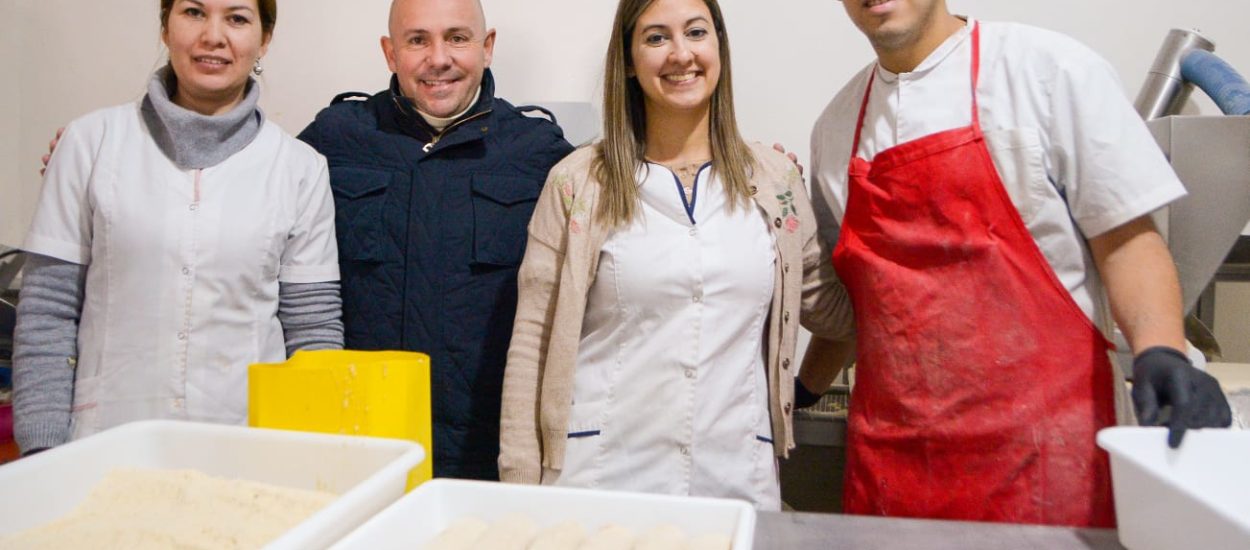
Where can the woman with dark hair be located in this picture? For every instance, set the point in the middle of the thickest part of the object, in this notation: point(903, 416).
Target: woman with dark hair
point(667, 269)
point(177, 240)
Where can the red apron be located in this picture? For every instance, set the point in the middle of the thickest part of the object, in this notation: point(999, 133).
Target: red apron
point(980, 383)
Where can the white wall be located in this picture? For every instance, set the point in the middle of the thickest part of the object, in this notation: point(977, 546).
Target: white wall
point(10, 100)
point(63, 58)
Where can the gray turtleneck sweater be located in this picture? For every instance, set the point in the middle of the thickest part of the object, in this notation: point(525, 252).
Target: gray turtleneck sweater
point(46, 336)
point(192, 140)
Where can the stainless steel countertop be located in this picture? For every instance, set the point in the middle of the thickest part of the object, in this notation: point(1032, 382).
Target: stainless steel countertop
point(797, 531)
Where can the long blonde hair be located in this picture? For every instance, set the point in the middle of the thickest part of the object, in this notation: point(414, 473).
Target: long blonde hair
point(620, 154)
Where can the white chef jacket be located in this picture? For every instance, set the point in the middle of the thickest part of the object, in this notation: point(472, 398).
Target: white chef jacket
point(670, 390)
point(183, 266)
point(1074, 157)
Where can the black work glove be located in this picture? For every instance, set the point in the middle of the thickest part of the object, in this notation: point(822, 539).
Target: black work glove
point(804, 398)
point(1164, 377)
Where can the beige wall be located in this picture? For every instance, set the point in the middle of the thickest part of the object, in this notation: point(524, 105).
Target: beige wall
point(65, 58)
point(10, 122)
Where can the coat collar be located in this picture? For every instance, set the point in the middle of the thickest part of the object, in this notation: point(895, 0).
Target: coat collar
point(412, 123)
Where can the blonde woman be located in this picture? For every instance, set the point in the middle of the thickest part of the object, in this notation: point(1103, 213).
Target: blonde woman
point(667, 270)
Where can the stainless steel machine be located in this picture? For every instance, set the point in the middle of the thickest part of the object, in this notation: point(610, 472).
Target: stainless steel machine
point(1211, 155)
point(1165, 90)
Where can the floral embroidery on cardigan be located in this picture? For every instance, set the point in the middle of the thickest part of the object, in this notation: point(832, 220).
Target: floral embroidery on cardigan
point(574, 207)
point(788, 212)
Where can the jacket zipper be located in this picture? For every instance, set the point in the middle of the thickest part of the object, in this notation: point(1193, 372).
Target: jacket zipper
point(438, 136)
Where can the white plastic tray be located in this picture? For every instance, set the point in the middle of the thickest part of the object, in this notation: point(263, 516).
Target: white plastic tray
point(1197, 496)
point(422, 514)
point(367, 473)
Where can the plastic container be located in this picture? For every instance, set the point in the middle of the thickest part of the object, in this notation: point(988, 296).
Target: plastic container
point(422, 514)
point(1197, 496)
point(367, 473)
point(374, 393)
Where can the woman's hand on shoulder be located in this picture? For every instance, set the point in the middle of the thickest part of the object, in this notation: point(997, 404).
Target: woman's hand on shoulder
point(793, 157)
point(51, 148)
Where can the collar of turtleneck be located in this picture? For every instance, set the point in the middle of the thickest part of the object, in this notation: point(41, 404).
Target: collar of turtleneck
point(439, 123)
point(192, 140)
point(482, 101)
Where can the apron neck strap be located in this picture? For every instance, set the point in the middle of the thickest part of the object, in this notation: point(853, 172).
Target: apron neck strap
point(976, 77)
point(976, 72)
point(863, 110)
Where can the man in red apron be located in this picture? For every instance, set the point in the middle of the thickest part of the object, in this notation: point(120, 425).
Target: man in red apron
point(990, 188)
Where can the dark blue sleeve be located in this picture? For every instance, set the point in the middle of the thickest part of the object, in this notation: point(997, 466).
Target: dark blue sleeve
point(312, 134)
point(549, 150)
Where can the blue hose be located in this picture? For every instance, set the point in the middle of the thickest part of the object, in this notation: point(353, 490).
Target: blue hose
point(1219, 80)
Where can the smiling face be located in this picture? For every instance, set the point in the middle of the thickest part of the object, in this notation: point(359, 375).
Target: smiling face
point(894, 24)
point(439, 49)
point(213, 45)
point(675, 54)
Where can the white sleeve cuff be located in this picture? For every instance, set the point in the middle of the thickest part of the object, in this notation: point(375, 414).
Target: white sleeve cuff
point(53, 248)
point(301, 274)
point(1163, 195)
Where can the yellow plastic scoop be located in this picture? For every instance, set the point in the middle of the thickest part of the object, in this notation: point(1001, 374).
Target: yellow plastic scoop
point(373, 393)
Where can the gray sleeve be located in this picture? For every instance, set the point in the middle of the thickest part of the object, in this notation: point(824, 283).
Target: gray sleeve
point(311, 315)
point(826, 222)
point(45, 349)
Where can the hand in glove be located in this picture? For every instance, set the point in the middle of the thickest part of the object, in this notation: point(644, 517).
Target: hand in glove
point(803, 397)
point(1163, 376)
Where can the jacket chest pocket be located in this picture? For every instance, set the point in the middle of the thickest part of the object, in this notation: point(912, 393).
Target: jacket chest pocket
point(359, 202)
point(502, 207)
point(1018, 156)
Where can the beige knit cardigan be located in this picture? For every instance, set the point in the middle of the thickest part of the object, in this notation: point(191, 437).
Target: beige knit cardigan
point(561, 260)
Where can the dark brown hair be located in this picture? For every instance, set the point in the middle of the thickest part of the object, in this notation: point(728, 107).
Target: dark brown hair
point(268, 14)
point(621, 152)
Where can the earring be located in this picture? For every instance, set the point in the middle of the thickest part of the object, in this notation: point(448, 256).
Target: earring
point(257, 69)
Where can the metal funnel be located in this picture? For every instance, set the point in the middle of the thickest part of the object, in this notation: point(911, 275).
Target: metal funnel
point(1165, 92)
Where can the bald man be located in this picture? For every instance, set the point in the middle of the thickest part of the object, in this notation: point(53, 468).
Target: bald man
point(434, 181)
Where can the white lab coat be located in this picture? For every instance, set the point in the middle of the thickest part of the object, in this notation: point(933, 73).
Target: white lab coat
point(182, 266)
point(670, 390)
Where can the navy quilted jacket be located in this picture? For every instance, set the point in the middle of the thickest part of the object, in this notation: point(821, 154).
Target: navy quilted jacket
point(431, 230)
